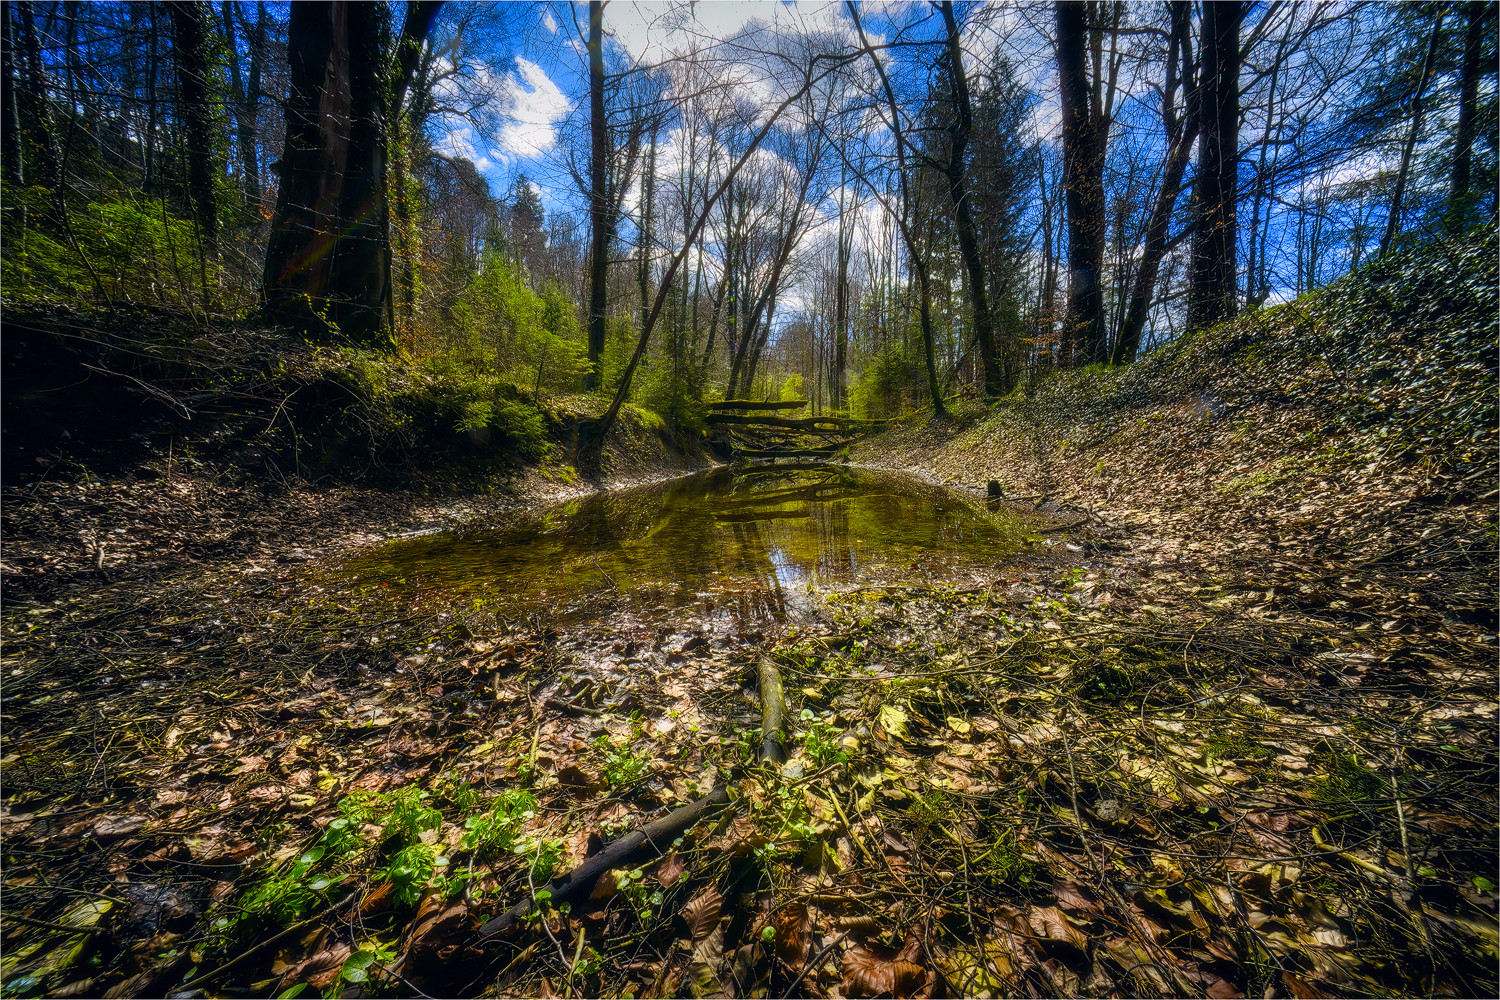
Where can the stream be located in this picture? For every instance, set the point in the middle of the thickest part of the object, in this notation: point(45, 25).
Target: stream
point(735, 546)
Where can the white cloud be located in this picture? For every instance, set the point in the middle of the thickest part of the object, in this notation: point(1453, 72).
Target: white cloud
point(549, 22)
point(462, 142)
point(533, 105)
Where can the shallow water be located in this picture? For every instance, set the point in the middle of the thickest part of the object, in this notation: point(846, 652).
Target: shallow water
point(739, 544)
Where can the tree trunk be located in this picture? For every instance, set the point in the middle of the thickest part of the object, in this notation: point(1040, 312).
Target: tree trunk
point(1211, 297)
point(360, 274)
point(919, 264)
point(1180, 135)
point(598, 197)
point(251, 111)
point(643, 262)
point(1083, 187)
point(190, 47)
point(996, 382)
point(329, 251)
point(239, 101)
point(1393, 217)
point(1468, 105)
point(39, 141)
point(10, 111)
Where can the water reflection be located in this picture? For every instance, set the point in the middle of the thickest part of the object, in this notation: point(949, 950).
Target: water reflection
point(754, 543)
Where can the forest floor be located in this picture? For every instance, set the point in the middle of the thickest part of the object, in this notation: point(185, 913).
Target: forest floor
point(1228, 729)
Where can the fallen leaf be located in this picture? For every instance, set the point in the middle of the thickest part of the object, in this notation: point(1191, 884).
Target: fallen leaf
point(792, 925)
point(1301, 988)
point(868, 971)
point(670, 870)
point(1049, 923)
point(701, 914)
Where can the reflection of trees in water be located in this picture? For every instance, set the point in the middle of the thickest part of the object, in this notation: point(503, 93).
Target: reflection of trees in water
point(744, 535)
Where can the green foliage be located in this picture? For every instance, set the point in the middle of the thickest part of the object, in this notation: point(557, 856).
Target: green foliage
point(820, 742)
point(623, 766)
point(632, 886)
point(1234, 746)
point(409, 871)
point(1345, 778)
point(128, 250)
point(496, 831)
point(887, 386)
point(1005, 862)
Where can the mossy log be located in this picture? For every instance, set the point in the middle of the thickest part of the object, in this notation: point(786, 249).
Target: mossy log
point(772, 711)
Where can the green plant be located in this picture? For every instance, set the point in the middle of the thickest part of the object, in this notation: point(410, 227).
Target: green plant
point(1234, 746)
point(820, 742)
point(642, 900)
point(1006, 863)
point(545, 856)
point(1345, 778)
point(496, 831)
point(624, 766)
point(410, 870)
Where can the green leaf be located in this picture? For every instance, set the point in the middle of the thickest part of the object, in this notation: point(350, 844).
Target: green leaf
point(291, 991)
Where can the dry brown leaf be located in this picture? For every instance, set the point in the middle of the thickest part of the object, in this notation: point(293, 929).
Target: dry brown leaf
point(1048, 922)
point(321, 969)
point(910, 979)
point(437, 932)
point(792, 925)
point(378, 899)
point(858, 928)
point(1223, 989)
point(1301, 988)
point(605, 886)
point(701, 913)
point(868, 971)
point(670, 871)
point(1074, 896)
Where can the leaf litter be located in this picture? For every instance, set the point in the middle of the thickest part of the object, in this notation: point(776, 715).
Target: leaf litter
point(1231, 734)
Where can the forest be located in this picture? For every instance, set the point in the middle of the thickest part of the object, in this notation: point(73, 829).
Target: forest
point(752, 499)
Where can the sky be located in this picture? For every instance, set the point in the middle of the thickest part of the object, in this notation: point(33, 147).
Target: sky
point(535, 76)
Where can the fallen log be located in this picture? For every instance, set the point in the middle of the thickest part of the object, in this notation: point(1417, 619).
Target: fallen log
point(749, 404)
point(649, 841)
point(787, 452)
point(791, 423)
point(772, 710)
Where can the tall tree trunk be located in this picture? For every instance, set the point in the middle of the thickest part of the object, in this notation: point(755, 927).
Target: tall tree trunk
point(10, 111)
point(1084, 135)
point(996, 382)
point(648, 193)
point(360, 273)
point(1468, 105)
point(39, 140)
point(148, 139)
point(240, 102)
point(190, 46)
point(599, 208)
point(1211, 297)
point(919, 263)
point(1393, 217)
point(1181, 131)
point(251, 110)
point(329, 248)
